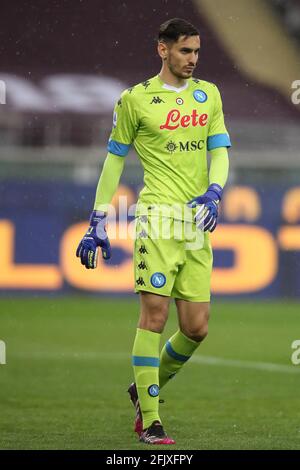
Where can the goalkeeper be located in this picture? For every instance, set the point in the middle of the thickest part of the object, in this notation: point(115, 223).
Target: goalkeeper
point(172, 120)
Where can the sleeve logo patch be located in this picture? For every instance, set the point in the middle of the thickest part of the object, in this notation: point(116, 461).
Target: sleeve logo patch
point(115, 118)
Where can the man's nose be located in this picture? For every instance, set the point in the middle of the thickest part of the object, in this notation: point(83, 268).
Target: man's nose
point(193, 59)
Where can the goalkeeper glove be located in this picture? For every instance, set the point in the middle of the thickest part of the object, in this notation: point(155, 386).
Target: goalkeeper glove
point(206, 217)
point(95, 236)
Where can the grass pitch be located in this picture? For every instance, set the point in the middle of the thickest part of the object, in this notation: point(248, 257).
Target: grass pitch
point(68, 368)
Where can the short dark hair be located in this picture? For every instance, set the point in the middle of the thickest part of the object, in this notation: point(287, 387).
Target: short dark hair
point(171, 30)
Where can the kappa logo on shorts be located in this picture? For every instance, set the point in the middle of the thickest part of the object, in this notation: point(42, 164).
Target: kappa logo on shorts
point(143, 234)
point(158, 280)
point(142, 265)
point(140, 281)
point(143, 250)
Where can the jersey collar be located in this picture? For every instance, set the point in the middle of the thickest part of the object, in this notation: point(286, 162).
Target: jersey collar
point(173, 88)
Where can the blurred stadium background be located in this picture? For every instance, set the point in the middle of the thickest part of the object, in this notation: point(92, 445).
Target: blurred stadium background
point(68, 332)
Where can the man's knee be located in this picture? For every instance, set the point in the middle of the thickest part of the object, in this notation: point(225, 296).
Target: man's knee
point(197, 333)
point(193, 320)
point(154, 312)
point(197, 330)
point(153, 321)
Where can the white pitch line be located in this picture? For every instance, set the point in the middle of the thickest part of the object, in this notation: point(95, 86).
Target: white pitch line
point(264, 366)
point(207, 360)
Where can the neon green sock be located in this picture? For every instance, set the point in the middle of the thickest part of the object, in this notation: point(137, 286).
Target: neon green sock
point(145, 360)
point(174, 354)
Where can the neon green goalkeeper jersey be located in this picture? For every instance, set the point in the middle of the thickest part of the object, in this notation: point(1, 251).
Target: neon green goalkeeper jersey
point(171, 130)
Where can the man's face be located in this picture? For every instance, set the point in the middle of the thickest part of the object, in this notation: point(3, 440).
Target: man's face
point(182, 56)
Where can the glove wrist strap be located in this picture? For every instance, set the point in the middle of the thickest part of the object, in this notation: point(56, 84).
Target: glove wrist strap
point(96, 217)
point(216, 189)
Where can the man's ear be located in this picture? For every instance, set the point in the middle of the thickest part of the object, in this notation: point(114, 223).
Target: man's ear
point(162, 50)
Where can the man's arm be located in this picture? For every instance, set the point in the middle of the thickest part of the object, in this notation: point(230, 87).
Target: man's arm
point(218, 141)
point(108, 181)
point(219, 166)
point(96, 235)
point(125, 124)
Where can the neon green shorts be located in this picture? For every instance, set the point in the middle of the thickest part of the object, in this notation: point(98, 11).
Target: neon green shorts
point(172, 258)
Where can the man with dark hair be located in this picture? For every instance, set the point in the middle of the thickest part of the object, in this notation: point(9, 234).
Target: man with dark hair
point(172, 120)
point(171, 30)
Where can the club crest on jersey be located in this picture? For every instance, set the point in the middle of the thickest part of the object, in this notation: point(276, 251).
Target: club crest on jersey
point(200, 96)
point(179, 101)
point(158, 280)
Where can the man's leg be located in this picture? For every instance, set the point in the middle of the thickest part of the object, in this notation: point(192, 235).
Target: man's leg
point(145, 354)
point(193, 328)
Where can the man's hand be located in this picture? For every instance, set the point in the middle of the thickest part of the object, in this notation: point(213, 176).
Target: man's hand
point(95, 236)
point(206, 217)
